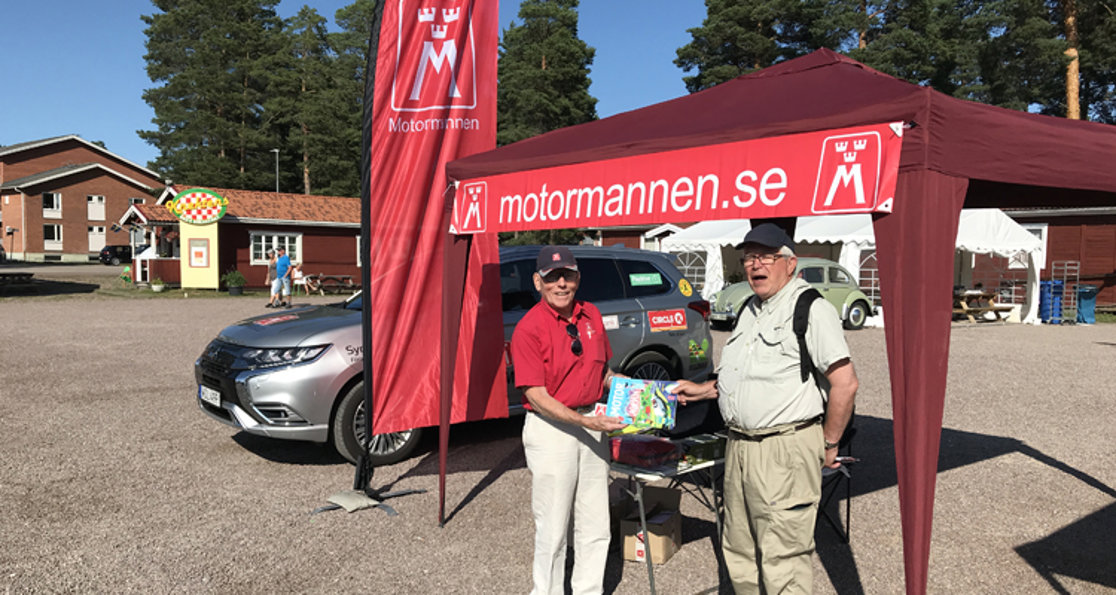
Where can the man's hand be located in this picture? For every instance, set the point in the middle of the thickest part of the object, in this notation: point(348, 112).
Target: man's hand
point(602, 423)
point(691, 391)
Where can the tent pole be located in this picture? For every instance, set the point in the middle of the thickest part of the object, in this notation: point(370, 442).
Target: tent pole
point(455, 265)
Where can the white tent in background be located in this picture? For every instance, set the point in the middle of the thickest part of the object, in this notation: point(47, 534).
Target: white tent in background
point(981, 231)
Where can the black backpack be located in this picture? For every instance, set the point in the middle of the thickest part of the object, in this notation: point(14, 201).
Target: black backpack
point(800, 321)
point(806, 365)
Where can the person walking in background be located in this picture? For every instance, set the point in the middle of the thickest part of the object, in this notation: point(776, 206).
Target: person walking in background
point(561, 352)
point(777, 443)
point(283, 270)
point(272, 282)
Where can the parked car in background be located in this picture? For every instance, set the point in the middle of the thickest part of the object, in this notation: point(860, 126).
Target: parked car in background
point(831, 279)
point(116, 254)
point(298, 375)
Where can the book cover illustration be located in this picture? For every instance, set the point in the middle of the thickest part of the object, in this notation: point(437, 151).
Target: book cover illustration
point(643, 404)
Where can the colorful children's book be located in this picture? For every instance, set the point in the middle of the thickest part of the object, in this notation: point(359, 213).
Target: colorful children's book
point(644, 404)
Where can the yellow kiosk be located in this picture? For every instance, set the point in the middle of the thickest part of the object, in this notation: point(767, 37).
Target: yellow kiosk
point(199, 210)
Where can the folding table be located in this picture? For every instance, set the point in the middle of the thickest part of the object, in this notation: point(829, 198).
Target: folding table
point(705, 475)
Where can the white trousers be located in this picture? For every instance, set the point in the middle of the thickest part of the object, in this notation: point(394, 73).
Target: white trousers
point(569, 473)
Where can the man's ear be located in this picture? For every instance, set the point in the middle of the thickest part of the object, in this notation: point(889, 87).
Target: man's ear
point(538, 282)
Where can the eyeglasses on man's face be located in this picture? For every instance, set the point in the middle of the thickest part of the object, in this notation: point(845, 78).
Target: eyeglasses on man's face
point(764, 259)
point(575, 346)
point(556, 275)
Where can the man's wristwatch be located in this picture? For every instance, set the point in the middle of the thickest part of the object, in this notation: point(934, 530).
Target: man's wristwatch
point(830, 445)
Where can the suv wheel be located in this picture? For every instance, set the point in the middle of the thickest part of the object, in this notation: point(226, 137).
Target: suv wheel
point(115, 261)
point(650, 366)
point(858, 313)
point(348, 433)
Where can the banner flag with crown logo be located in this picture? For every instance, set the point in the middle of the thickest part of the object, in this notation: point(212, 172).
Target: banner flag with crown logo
point(434, 100)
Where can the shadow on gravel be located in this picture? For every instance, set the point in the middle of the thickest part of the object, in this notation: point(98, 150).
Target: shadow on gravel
point(289, 451)
point(1066, 552)
point(1082, 550)
point(44, 287)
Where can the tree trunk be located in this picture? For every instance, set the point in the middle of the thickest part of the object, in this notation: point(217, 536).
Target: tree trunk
point(1073, 69)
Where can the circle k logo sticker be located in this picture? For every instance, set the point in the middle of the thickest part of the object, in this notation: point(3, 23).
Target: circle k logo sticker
point(667, 320)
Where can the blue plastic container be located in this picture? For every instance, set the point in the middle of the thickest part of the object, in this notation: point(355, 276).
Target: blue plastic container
point(1087, 304)
point(1050, 301)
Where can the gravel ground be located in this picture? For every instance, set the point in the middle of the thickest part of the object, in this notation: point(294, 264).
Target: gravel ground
point(112, 480)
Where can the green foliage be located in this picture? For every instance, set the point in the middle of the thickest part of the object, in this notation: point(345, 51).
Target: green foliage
point(553, 237)
point(1009, 53)
point(233, 278)
point(213, 64)
point(233, 82)
point(544, 72)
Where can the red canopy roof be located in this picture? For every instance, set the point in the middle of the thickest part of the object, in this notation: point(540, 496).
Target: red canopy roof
point(955, 153)
point(826, 90)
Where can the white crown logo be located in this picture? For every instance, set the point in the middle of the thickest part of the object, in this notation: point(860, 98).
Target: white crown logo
point(450, 15)
point(850, 157)
point(841, 146)
point(426, 15)
point(438, 31)
point(861, 144)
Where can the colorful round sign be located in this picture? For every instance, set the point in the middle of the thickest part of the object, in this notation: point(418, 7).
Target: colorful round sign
point(198, 206)
point(685, 288)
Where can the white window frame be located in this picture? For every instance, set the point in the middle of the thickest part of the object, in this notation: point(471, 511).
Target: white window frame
point(358, 258)
point(93, 204)
point(54, 212)
point(1040, 231)
point(137, 201)
point(56, 243)
point(261, 241)
point(94, 231)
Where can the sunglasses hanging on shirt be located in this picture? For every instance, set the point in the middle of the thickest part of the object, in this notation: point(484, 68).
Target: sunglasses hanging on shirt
point(575, 346)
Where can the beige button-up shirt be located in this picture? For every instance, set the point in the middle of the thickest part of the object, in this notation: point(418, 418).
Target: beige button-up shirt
point(759, 380)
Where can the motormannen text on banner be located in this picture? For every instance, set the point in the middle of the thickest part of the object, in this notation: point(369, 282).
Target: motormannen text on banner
point(837, 171)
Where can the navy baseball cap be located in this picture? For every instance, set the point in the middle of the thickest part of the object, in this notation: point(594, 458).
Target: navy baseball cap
point(768, 235)
point(554, 257)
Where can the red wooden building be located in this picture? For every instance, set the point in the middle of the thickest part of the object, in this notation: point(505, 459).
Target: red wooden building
point(320, 232)
point(1086, 236)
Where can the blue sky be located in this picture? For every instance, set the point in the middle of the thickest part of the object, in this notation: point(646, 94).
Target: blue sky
point(84, 72)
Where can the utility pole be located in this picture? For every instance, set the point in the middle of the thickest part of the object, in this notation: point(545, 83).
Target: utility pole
point(276, 151)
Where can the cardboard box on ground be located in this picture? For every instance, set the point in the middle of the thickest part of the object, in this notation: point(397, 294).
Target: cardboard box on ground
point(664, 523)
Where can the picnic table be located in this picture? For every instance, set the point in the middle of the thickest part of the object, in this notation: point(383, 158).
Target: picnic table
point(331, 284)
point(18, 281)
point(974, 303)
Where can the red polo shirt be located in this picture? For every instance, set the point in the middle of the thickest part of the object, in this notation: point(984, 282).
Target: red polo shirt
point(542, 356)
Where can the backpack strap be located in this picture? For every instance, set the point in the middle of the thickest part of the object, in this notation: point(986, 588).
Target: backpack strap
point(801, 321)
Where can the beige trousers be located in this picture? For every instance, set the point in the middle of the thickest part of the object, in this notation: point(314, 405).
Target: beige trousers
point(772, 488)
point(569, 474)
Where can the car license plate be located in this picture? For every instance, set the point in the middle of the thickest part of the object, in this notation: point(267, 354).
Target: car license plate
point(213, 397)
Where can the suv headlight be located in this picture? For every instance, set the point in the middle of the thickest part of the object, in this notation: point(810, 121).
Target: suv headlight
point(281, 356)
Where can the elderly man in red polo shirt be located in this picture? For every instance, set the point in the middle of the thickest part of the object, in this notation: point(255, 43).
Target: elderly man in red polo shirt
point(561, 352)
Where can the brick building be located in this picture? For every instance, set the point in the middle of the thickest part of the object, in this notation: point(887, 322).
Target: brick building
point(60, 196)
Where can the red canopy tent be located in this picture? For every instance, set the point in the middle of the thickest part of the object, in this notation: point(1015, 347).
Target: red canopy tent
point(954, 153)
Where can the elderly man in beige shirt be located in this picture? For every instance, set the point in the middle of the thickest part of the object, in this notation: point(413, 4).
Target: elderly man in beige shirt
point(777, 440)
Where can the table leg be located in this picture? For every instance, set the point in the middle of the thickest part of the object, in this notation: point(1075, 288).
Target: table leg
point(646, 537)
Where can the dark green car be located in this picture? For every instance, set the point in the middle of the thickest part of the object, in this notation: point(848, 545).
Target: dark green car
point(831, 279)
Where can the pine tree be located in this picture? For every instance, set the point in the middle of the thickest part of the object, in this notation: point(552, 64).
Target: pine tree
point(544, 86)
point(544, 72)
point(211, 61)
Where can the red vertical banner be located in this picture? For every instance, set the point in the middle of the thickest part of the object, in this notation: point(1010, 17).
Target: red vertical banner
point(434, 101)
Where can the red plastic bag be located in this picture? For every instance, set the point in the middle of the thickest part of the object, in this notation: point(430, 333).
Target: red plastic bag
point(644, 451)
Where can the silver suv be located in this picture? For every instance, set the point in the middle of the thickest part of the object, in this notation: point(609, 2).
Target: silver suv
point(297, 375)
